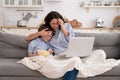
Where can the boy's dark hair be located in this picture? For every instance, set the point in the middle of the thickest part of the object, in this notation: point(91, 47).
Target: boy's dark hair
point(43, 26)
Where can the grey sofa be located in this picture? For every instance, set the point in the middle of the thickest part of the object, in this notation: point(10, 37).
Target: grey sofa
point(14, 47)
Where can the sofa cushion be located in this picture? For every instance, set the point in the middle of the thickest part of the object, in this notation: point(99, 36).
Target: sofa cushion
point(111, 51)
point(12, 46)
point(10, 67)
point(109, 42)
point(10, 51)
point(13, 39)
point(102, 39)
point(115, 71)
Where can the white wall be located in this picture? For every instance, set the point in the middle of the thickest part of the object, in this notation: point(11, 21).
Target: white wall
point(68, 8)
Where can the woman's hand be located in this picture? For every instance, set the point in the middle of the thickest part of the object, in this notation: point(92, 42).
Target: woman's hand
point(35, 35)
point(64, 30)
point(60, 22)
point(43, 32)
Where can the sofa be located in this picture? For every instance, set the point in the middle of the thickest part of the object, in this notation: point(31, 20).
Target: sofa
point(13, 48)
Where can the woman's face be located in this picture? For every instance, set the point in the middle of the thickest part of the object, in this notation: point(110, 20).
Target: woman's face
point(54, 24)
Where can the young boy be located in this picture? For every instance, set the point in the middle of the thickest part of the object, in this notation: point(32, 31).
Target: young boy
point(40, 45)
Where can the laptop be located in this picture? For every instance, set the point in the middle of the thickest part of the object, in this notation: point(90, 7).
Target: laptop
point(80, 47)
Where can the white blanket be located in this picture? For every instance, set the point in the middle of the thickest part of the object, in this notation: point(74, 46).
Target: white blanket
point(55, 67)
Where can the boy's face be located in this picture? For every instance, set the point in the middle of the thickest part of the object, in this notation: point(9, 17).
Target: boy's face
point(48, 36)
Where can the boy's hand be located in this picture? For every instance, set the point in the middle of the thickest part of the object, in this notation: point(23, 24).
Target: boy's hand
point(31, 54)
point(35, 54)
point(50, 51)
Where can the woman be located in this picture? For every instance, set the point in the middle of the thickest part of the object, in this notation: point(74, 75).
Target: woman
point(60, 40)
